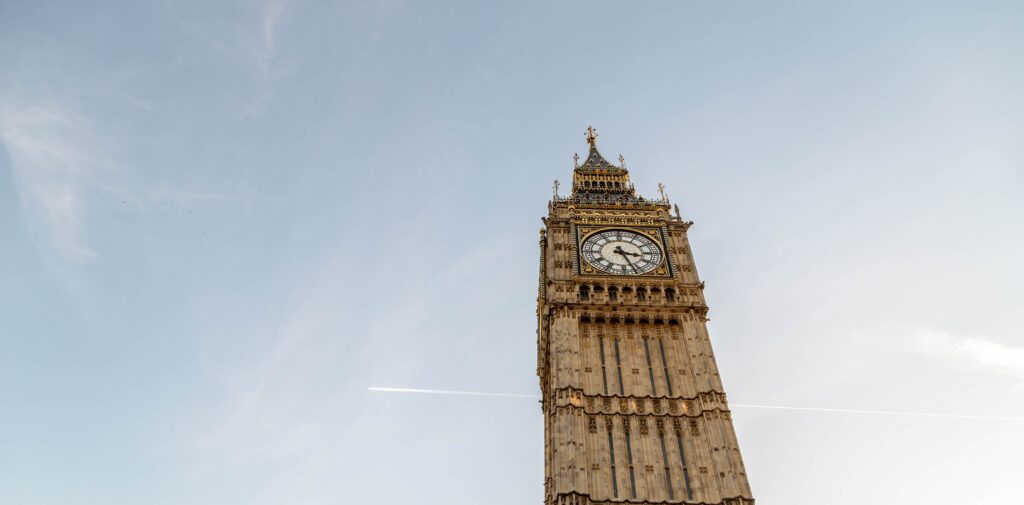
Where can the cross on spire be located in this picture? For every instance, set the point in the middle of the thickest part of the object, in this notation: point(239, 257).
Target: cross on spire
point(592, 136)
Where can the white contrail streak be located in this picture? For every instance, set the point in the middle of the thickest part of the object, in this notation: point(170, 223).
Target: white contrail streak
point(447, 392)
point(739, 405)
point(880, 412)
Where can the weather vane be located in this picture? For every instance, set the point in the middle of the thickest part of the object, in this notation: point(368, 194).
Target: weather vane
point(592, 136)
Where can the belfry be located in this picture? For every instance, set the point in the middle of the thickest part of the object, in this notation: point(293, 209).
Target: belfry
point(634, 409)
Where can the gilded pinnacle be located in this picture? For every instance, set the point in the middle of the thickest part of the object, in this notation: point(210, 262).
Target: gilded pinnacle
point(592, 136)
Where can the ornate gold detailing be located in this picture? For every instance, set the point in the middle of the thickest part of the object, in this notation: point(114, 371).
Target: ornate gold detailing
point(591, 136)
point(585, 232)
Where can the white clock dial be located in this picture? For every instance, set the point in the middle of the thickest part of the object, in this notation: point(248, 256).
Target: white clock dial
point(621, 252)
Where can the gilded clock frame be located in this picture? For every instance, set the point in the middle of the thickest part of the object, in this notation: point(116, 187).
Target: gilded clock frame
point(581, 232)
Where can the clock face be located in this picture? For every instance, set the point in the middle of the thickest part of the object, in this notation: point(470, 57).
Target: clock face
point(621, 252)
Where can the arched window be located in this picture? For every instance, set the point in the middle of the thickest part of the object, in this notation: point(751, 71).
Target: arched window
point(641, 295)
point(613, 294)
point(670, 295)
point(584, 293)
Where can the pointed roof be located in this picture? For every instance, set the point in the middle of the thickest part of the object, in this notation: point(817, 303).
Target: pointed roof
point(598, 183)
point(597, 162)
point(594, 159)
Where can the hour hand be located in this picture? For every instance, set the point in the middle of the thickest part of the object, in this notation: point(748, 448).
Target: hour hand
point(619, 250)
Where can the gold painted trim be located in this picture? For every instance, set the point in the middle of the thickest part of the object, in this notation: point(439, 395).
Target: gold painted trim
point(654, 234)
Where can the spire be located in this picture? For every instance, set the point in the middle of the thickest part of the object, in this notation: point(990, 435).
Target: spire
point(597, 182)
point(594, 159)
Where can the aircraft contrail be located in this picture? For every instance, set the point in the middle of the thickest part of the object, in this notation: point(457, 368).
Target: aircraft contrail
point(881, 412)
point(448, 392)
point(739, 405)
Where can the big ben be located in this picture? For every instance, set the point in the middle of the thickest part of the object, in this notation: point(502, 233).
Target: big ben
point(634, 408)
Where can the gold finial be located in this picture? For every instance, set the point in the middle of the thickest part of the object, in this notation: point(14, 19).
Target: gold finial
point(661, 190)
point(622, 162)
point(575, 160)
point(592, 136)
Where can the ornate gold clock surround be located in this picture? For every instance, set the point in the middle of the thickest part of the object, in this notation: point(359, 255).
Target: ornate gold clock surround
point(656, 233)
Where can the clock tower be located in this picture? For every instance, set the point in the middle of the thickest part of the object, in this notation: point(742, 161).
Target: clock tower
point(634, 409)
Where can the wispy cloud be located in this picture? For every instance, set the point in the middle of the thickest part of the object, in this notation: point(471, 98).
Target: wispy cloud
point(273, 14)
point(54, 156)
point(972, 352)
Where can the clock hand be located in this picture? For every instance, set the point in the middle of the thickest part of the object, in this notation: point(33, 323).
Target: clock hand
point(619, 250)
point(632, 266)
point(623, 254)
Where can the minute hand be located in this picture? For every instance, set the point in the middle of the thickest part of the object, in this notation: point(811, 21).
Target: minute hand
point(623, 254)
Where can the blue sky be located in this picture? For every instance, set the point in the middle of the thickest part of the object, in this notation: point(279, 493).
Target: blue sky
point(222, 222)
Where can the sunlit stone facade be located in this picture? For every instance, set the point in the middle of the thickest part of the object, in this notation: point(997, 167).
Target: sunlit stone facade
point(634, 409)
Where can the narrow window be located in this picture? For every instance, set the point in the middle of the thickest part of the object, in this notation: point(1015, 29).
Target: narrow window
point(618, 365)
point(584, 293)
point(682, 459)
point(668, 470)
point(613, 295)
point(629, 460)
point(650, 369)
point(604, 375)
point(611, 457)
point(664, 363)
point(670, 295)
point(641, 295)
